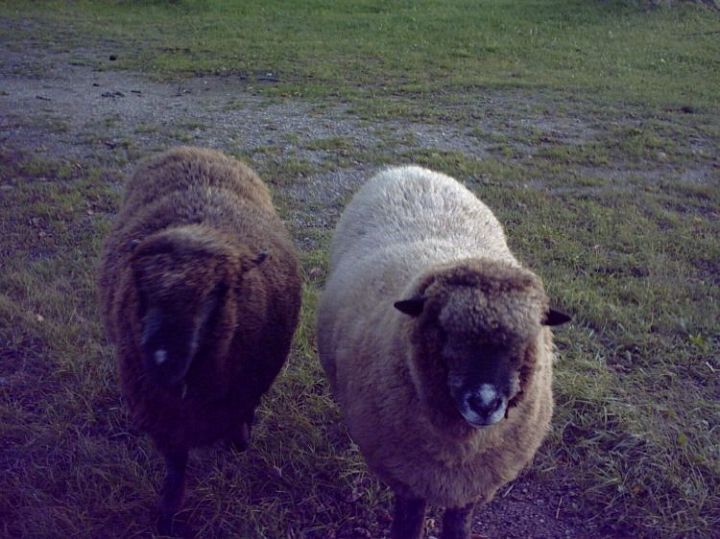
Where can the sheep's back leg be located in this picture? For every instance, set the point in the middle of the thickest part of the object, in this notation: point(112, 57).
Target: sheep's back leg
point(173, 489)
point(239, 434)
point(409, 518)
point(457, 522)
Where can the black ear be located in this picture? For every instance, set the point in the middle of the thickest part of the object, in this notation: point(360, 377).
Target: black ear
point(412, 307)
point(555, 318)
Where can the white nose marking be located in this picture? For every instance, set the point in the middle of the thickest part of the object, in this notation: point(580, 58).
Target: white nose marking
point(487, 394)
point(160, 357)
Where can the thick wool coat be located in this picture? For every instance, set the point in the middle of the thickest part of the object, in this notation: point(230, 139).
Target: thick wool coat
point(214, 219)
point(410, 232)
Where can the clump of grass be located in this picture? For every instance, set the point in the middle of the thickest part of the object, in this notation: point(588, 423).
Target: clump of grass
point(338, 144)
point(566, 154)
point(482, 171)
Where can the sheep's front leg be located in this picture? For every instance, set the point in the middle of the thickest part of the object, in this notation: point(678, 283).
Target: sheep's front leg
point(173, 489)
point(239, 438)
point(409, 518)
point(457, 522)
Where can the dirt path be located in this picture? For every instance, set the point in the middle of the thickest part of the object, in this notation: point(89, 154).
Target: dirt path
point(62, 107)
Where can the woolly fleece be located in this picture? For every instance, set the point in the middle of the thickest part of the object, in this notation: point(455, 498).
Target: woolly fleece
point(408, 232)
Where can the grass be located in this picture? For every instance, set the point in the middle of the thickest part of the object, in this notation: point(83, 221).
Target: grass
point(607, 215)
point(635, 385)
point(70, 463)
point(374, 50)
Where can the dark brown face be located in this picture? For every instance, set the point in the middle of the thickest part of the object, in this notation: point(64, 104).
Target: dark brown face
point(481, 318)
point(168, 344)
point(484, 341)
point(174, 315)
point(482, 378)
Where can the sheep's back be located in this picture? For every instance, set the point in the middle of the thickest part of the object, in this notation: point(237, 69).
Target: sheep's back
point(406, 205)
point(186, 168)
point(257, 226)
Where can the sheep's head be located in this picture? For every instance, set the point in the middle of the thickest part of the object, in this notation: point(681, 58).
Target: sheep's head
point(182, 278)
point(477, 324)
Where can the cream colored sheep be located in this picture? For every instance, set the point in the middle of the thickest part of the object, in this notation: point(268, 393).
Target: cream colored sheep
point(435, 342)
point(200, 291)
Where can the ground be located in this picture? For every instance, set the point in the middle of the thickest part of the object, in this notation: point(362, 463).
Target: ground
point(73, 106)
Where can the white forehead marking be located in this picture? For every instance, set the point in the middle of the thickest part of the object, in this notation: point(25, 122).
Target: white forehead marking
point(160, 357)
point(487, 394)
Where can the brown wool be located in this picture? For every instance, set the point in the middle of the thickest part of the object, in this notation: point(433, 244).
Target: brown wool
point(189, 236)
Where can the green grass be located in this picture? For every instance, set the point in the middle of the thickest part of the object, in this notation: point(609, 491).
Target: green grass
point(623, 242)
point(72, 464)
point(637, 412)
point(372, 49)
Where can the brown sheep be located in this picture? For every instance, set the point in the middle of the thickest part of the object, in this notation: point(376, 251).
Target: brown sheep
point(200, 292)
point(436, 344)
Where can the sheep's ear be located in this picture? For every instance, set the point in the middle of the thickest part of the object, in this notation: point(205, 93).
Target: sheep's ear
point(555, 318)
point(411, 307)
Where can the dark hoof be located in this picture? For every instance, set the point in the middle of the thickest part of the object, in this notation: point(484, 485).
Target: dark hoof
point(166, 525)
point(172, 526)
